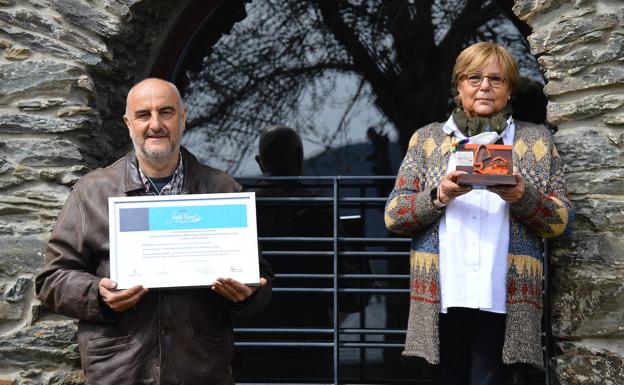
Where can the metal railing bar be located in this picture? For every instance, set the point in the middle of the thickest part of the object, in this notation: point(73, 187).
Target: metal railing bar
point(372, 345)
point(340, 253)
point(340, 290)
point(320, 331)
point(393, 381)
point(330, 239)
point(360, 199)
point(335, 315)
point(310, 344)
point(305, 276)
point(328, 178)
point(319, 200)
point(284, 344)
point(372, 331)
point(374, 276)
point(373, 291)
point(345, 276)
point(285, 330)
point(375, 240)
point(284, 383)
point(375, 253)
point(294, 199)
point(303, 290)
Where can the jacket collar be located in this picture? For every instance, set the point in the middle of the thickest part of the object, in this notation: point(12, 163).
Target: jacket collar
point(132, 179)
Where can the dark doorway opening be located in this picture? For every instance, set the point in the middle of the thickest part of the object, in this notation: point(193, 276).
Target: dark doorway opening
point(355, 79)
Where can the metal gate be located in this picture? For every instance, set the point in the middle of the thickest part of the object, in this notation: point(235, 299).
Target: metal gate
point(356, 344)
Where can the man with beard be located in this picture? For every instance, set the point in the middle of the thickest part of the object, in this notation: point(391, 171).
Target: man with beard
point(136, 335)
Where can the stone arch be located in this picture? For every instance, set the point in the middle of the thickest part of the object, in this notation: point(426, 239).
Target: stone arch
point(64, 63)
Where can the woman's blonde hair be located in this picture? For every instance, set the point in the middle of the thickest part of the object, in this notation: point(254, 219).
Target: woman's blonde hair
point(479, 55)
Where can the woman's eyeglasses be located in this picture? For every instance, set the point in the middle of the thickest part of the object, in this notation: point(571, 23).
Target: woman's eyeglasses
point(476, 79)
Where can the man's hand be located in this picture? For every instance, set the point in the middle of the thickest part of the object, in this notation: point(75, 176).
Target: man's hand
point(511, 194)
point(120, 300)
point(449, 189)
point(235, 291)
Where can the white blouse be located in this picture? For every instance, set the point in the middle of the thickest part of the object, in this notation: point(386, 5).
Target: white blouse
point(474, 242)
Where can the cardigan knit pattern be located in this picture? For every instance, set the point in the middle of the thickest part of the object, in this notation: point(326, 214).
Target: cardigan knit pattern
point(544, 211)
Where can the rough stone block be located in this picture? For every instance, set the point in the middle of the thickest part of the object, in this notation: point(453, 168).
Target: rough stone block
point(603, 214)
point(65, 176)
point(42, 152)
point(587, 302)
point(598, 150)
point(36, 22)
point(583, 108)
point(37, 77)
point(40, 104)
point(84, 15)
point(527, 9)
point(609, 181)
point(43, 344)
point(583, 363)
point(15, 53)
point(118, 8)
point(558, 66)
point(591, 77)
point(79, 119)
point(5, 166)
point(11, 311)
point(64, 377)
point(613, 119)
point(43, 44)
point(17, 291)
point(21, 255)
point(29, 215)
point(571, 29)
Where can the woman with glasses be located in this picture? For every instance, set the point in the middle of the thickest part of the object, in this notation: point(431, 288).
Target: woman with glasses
point(476, 254)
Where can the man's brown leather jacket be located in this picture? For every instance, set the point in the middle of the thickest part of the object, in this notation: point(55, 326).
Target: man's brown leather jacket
point(175, 336)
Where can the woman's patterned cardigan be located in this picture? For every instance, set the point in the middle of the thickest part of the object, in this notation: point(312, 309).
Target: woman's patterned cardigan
point(543, 211)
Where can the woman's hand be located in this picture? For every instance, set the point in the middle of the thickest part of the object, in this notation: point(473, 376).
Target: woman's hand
point(511, 194)
point(449, 189)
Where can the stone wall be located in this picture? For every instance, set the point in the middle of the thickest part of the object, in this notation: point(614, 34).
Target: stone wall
point(66, 64)
point(65, 68)
point(580, 47)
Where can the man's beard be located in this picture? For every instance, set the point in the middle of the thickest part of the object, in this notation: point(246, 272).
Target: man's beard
point(154, 154)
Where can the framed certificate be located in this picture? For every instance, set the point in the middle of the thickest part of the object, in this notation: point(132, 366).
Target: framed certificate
point(183, 240)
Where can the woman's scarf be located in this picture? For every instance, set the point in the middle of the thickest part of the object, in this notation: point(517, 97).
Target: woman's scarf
point(478, 124)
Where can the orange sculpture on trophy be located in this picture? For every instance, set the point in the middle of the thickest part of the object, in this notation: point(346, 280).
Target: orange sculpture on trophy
point(485, 164)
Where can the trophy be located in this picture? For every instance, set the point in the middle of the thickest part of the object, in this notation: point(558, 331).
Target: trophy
point(485, 164)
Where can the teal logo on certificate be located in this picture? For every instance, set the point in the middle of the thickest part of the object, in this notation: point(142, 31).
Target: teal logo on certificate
point(183, 240)
point(202, 217)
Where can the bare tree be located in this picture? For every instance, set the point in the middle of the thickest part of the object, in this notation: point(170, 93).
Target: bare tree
point(281, 63)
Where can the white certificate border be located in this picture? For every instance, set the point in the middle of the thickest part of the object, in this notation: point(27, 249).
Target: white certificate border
point(115, 203)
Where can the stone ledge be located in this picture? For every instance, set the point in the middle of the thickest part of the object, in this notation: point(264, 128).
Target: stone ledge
point(601, 149)
point(37, 78)
point(580, 365)
point(45, 344)
point(572, 28)
point(587, 301)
